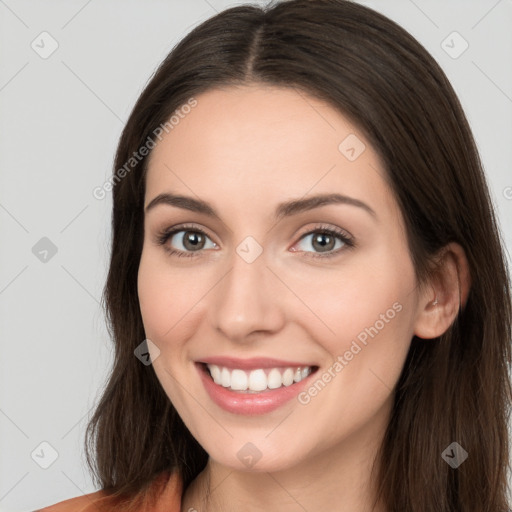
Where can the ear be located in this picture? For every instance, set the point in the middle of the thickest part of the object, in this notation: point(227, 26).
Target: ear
point(447, 293)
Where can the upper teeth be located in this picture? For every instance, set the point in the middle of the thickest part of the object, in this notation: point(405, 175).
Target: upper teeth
point(257, 380)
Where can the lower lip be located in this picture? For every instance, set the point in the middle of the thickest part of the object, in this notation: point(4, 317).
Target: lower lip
point(249, 404)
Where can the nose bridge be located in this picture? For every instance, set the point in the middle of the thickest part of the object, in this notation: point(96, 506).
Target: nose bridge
point(247, 298)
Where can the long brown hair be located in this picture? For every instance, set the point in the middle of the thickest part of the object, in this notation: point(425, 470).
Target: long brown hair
point(453, 388)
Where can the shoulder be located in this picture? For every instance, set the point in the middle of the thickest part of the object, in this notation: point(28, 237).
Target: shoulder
point(166, 489)
point(85, 503)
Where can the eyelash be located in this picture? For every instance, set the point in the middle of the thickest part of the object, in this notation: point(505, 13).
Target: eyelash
point(164, 235)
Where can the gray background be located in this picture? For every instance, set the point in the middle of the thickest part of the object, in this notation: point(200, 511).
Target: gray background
point(61, 117)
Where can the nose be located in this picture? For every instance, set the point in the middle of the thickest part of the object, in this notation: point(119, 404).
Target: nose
point(248, 300)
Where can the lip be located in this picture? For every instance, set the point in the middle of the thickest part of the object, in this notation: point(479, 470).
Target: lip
point(253, 363)
point(251, 404)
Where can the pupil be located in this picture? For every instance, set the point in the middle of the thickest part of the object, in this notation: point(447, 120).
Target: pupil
point(192, 239)
point(320, 239)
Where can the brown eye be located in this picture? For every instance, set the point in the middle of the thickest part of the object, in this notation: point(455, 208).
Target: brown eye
point(184, 241)
point(193, 240)
point(325, 242)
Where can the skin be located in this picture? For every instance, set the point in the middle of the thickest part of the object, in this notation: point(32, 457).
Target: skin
point(244, 150)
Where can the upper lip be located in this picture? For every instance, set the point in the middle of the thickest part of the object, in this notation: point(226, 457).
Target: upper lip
point(252, 363)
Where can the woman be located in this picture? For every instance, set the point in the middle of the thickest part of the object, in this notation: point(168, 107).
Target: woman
point(305, 249)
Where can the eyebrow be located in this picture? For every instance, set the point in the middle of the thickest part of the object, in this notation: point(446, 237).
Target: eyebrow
point(285, 209)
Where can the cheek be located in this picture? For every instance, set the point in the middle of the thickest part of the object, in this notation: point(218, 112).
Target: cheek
point(154, 299)
point(370, 290)
point(169, 299)
point(364, 318)
point(167, 308)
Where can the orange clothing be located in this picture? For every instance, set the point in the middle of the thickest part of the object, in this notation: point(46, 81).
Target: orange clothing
point(167, 489)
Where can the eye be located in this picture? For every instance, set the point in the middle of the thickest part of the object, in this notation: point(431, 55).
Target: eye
point(328, 241)
point(188, 240)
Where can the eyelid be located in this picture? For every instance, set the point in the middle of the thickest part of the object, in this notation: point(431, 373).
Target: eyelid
point(172, 230)
point(322, 227)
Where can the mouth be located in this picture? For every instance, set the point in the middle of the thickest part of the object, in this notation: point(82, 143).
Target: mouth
point(253, 387)
point(257, 380)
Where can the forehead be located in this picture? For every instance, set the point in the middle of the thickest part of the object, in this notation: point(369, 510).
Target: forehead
point(234, 122)
point(267, 144)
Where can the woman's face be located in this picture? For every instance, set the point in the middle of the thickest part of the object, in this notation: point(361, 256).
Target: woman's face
point(260, 289)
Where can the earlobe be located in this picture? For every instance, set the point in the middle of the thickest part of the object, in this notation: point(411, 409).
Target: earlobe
point(448, 292)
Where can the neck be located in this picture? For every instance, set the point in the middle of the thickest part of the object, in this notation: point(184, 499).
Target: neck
point(336, 479)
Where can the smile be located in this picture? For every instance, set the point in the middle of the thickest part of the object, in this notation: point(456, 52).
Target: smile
point(253, 387)
point(257, 380)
